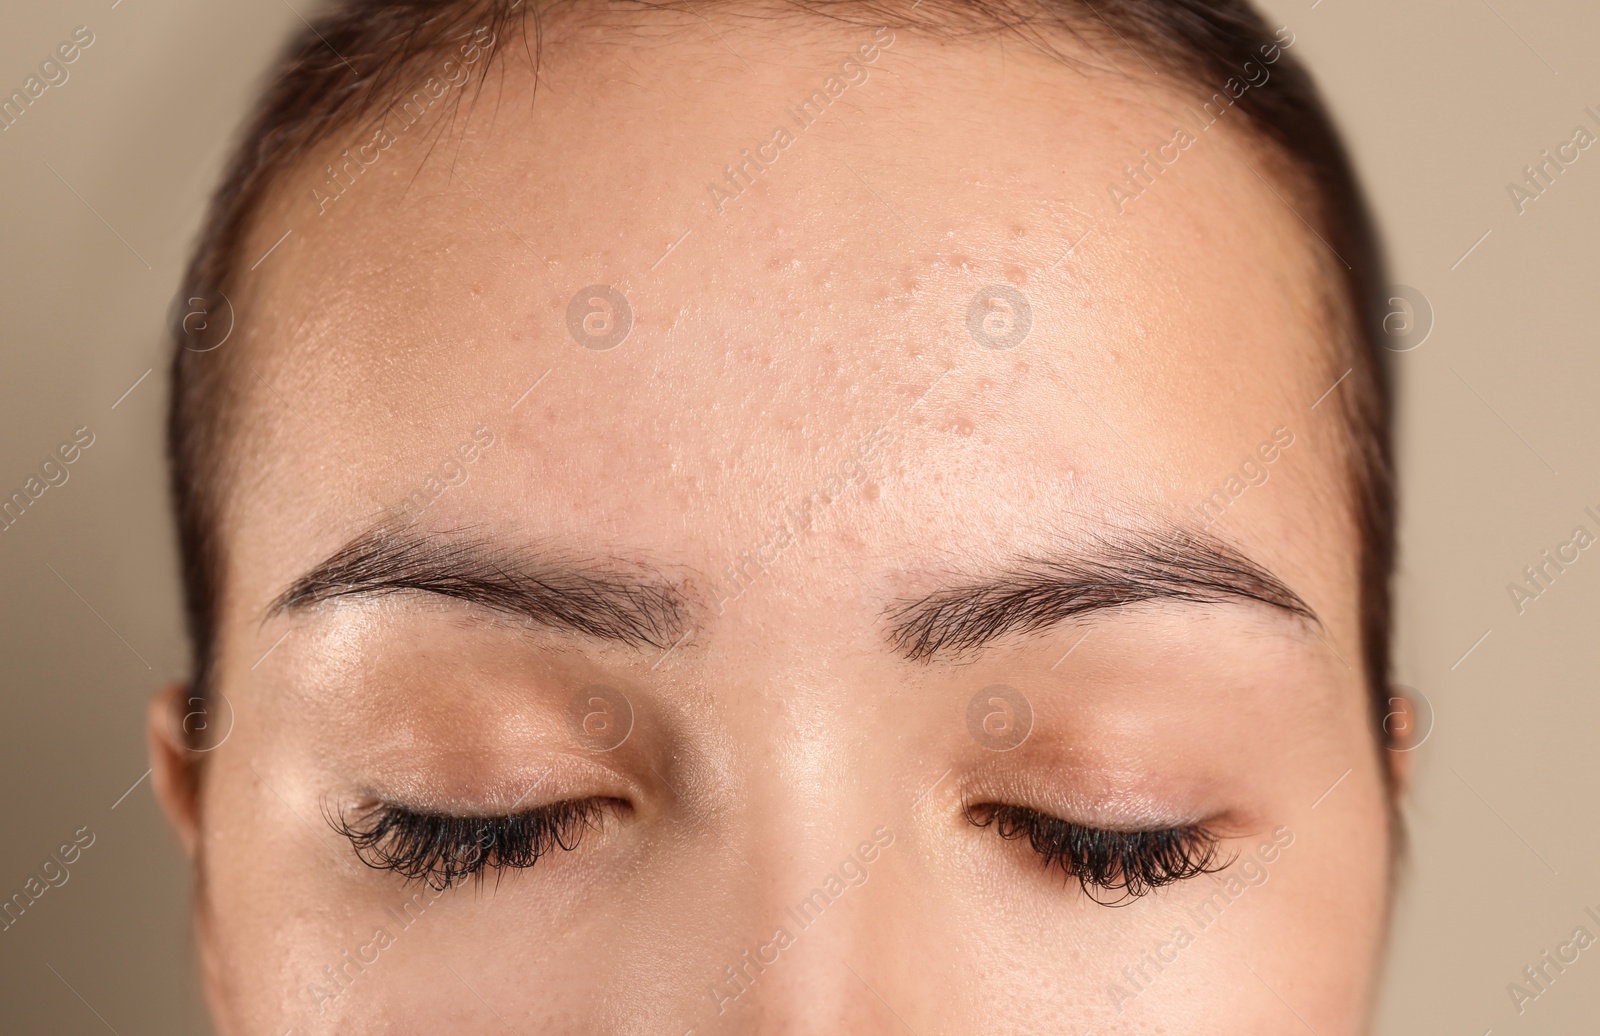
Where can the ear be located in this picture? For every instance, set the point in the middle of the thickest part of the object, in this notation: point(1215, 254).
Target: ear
point(1406, 726)
point(172, 764)
point(174, 773)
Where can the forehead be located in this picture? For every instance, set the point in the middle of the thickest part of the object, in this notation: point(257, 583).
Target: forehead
point(821, 253)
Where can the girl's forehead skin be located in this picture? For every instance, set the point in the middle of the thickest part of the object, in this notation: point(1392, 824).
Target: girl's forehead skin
point(680, 298)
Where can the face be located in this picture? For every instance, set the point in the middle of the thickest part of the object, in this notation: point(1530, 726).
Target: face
point(909, 549)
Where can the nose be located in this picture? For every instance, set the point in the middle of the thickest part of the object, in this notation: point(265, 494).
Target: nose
point(825, 930)
point(827, 920)
point(824, 941)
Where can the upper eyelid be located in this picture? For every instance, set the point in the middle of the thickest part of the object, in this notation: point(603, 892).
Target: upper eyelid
point(431, 857)
point(968, 806)
point(1131, 870)
point(1137, 813)
point(495, 787)
point(419, 814)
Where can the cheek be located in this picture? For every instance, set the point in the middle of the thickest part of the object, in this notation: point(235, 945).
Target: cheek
point(1172, 962)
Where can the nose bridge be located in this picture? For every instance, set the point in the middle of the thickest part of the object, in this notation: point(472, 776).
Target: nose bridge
point(815, 815)
point(818, 925)
point(822, 840)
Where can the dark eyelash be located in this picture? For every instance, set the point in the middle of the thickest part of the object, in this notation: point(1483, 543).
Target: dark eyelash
point(1126, 863)
point(442, 849)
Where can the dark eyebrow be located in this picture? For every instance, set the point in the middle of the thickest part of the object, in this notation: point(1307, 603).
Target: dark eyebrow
point(590, 597)
point(1035, 594)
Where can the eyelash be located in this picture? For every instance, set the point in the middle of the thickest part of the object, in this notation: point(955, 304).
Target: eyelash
point(444, 850)
point(1129, 864)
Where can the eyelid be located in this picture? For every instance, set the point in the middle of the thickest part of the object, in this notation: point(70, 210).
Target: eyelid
point(1097, 798)
point(487, 781)
point(445, 849)
point(1129, 864)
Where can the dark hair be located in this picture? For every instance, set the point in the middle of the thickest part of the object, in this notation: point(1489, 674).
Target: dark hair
point(348, 65)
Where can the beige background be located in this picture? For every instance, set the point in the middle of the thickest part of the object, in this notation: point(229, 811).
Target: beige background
point(1444, 102)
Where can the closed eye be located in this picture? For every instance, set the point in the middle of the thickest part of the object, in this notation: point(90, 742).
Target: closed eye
point(1125, 864)
point(443, 849)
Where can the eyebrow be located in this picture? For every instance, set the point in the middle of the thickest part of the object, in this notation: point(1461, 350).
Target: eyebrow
point(1188, 566)
point(591, 597)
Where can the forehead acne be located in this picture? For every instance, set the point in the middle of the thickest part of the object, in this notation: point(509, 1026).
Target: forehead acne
point(843, 255)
